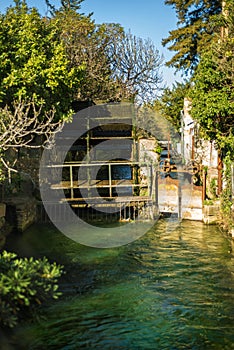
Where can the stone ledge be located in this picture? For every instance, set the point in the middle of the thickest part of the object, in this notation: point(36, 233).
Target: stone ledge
point(21, 212)
point(211, 214)
point(211, 210)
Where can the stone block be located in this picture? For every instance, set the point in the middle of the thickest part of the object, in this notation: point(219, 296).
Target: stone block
point(210, 220)
point(211, 210)
point(194, 214)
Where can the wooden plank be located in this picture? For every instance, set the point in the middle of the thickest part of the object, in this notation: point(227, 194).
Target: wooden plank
point(109, 200)
point(71, 182)
point(76, 164)
point(110, 137)
point(94, 183)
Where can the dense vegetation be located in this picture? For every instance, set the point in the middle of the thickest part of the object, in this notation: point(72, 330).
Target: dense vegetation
point(24, 284)
point(195, 27)
point(34, 62)
point(204, 46)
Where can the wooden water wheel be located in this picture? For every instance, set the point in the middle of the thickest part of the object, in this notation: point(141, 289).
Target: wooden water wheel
point(193, 167)
point(166, 167)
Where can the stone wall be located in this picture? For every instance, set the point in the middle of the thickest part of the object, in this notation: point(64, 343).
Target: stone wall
point(21, 212)
point(211, 214)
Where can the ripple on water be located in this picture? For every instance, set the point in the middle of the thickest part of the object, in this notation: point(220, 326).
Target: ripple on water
point(167, 290)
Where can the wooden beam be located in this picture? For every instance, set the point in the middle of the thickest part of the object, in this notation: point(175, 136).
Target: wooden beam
point(110, 180)
point(71, 182)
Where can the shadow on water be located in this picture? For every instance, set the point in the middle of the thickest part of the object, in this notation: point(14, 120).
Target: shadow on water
point(170, 289)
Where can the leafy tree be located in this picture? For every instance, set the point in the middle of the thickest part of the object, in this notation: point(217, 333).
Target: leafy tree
point(34, 62)
point(171, 103)
point(212, 93)
point(196, 27)
point(85, 45)
point(37, 82)
point(100, 79)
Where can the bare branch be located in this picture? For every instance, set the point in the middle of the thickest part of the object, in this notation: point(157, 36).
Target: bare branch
point(136, 66)
point(20, 125)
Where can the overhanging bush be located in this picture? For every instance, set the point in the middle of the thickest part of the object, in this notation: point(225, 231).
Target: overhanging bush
point(25, 282)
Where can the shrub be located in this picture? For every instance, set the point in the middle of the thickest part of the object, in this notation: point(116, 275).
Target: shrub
point(24, 283)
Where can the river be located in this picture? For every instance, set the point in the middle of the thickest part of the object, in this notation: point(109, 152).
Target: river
point(170, 289)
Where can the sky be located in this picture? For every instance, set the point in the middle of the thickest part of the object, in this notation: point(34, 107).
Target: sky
point(144, 18)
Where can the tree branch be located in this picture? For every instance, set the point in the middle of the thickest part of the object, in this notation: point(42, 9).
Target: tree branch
point(20, 125)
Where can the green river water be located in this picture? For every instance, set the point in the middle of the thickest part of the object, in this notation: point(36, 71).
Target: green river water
point(170, 289)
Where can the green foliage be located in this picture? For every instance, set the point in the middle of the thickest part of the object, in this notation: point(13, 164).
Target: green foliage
point(71, 4)
point(212, 93)
point(213, 187)
point(158, 149)
point(85, 45)
point(172, 102)
point(208, 202)
point(204, 45)
point(226, 196)
point(213, 102)
point(24, 283)
point(196, 27)
point(34, 63)
point(66, 57)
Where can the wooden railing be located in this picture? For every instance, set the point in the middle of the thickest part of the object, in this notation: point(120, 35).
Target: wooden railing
point(72, 180)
